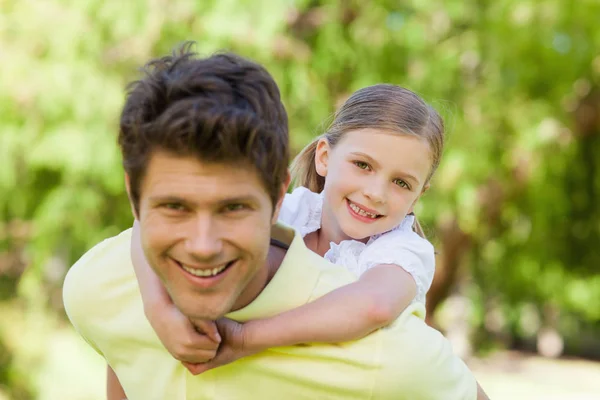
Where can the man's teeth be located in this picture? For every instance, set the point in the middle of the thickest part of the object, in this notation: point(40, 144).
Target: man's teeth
point(204, 272)
point(362, 212)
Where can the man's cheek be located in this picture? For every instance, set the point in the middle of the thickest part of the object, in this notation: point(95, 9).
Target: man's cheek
point(156, 240)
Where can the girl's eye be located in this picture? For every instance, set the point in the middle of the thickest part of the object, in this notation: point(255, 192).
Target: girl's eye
point(401, 183)
point(361, 164)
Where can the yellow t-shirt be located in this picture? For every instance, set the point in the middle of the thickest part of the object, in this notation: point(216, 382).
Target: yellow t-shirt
point(406, 360)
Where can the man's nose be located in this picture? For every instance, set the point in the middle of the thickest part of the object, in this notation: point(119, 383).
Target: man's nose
point(204, 240)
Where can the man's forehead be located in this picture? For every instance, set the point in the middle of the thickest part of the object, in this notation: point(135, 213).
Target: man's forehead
point(186, 176)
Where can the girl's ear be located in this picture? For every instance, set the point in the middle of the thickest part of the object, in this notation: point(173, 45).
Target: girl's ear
point(322, 157)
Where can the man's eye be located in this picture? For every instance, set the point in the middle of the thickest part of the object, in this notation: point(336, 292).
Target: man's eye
point(401, 183)
point(235, 207)
point(361, 164)
point(174, 206)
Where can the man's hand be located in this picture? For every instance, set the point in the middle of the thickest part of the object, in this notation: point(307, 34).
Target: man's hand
point(233, 347)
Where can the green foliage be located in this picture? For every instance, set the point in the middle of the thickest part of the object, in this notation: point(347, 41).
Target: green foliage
point(517, 82)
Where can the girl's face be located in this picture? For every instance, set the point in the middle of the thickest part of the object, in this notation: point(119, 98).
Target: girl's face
point(373, 178)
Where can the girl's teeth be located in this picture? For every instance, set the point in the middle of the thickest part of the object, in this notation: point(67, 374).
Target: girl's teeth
point(360, 211)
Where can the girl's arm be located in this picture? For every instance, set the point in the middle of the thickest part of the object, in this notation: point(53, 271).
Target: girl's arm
point(348, 313)
point(154, 295)
point(176, 332)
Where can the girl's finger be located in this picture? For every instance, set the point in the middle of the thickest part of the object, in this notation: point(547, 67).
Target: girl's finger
point(202, 342)
point(196, 369)
point(198, 357)
point(209, 328)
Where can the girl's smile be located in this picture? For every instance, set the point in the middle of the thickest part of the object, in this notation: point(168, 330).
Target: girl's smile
point(362, 213)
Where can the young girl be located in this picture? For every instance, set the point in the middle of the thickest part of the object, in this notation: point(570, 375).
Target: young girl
point(359, 183)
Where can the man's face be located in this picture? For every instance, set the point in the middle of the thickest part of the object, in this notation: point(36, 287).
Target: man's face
point(205, 230)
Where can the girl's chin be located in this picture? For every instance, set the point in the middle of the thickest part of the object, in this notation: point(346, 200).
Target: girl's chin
point(358, 235)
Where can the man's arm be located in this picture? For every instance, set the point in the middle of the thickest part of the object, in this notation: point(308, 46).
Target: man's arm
point(114, 390)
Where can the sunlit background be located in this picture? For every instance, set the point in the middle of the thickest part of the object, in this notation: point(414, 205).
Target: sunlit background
point(514, 209)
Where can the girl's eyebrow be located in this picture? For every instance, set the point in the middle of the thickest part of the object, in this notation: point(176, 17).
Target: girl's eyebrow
point(371, 160)
point(368, 157)
point(410, 178)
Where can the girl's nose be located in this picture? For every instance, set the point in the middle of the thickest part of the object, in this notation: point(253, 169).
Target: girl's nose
point(375, 192)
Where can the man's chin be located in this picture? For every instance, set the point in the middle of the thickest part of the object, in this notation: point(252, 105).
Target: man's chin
point(204, 313)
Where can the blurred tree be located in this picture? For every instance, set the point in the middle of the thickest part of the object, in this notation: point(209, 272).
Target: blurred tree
point(513, 210)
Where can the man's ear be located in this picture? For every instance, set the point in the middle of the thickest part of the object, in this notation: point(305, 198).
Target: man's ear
point(322, 154)
point(131, 204)
point(412, 207)
point(282, 191)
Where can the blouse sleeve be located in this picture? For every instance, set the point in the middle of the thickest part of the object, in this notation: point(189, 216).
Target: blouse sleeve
point(301, 210)
point(407, 250)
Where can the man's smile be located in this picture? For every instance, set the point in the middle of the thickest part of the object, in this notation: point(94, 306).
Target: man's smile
point(204, 271)
point(205, 277)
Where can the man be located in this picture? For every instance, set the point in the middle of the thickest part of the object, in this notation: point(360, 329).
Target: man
point(205, 151)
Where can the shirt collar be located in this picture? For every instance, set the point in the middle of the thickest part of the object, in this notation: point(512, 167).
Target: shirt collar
point(291, 286)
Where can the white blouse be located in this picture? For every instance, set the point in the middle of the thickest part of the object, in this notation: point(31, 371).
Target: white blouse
point(400, 246)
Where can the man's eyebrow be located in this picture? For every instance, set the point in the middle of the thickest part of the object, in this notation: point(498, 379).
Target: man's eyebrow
point(239, 199)
point(166, 199)
point(228, 200)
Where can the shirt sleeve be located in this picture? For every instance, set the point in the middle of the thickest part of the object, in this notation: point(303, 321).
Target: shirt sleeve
point(407, 250)
point(423, 365)
point(301, 210)
point(90, 296)
point(76, 292)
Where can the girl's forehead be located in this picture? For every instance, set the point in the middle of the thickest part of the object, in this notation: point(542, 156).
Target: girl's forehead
point(378, 138)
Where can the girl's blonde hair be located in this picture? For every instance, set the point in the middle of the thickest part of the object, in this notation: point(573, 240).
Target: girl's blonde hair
point(383, 106)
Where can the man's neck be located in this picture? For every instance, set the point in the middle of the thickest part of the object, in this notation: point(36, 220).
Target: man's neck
point(274, 260)
point(264, 276)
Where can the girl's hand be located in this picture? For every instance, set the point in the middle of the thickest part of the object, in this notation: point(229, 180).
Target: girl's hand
point(232, 347)
point(188, 343)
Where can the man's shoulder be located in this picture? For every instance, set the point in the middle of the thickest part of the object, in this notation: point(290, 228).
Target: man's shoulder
point(101, 265)
point(101, 285)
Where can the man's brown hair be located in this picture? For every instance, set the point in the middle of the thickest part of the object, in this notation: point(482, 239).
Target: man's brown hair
point(221, 109)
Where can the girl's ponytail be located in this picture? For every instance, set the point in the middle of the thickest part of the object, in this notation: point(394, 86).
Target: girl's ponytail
point(418, 228)
point(303, 169)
